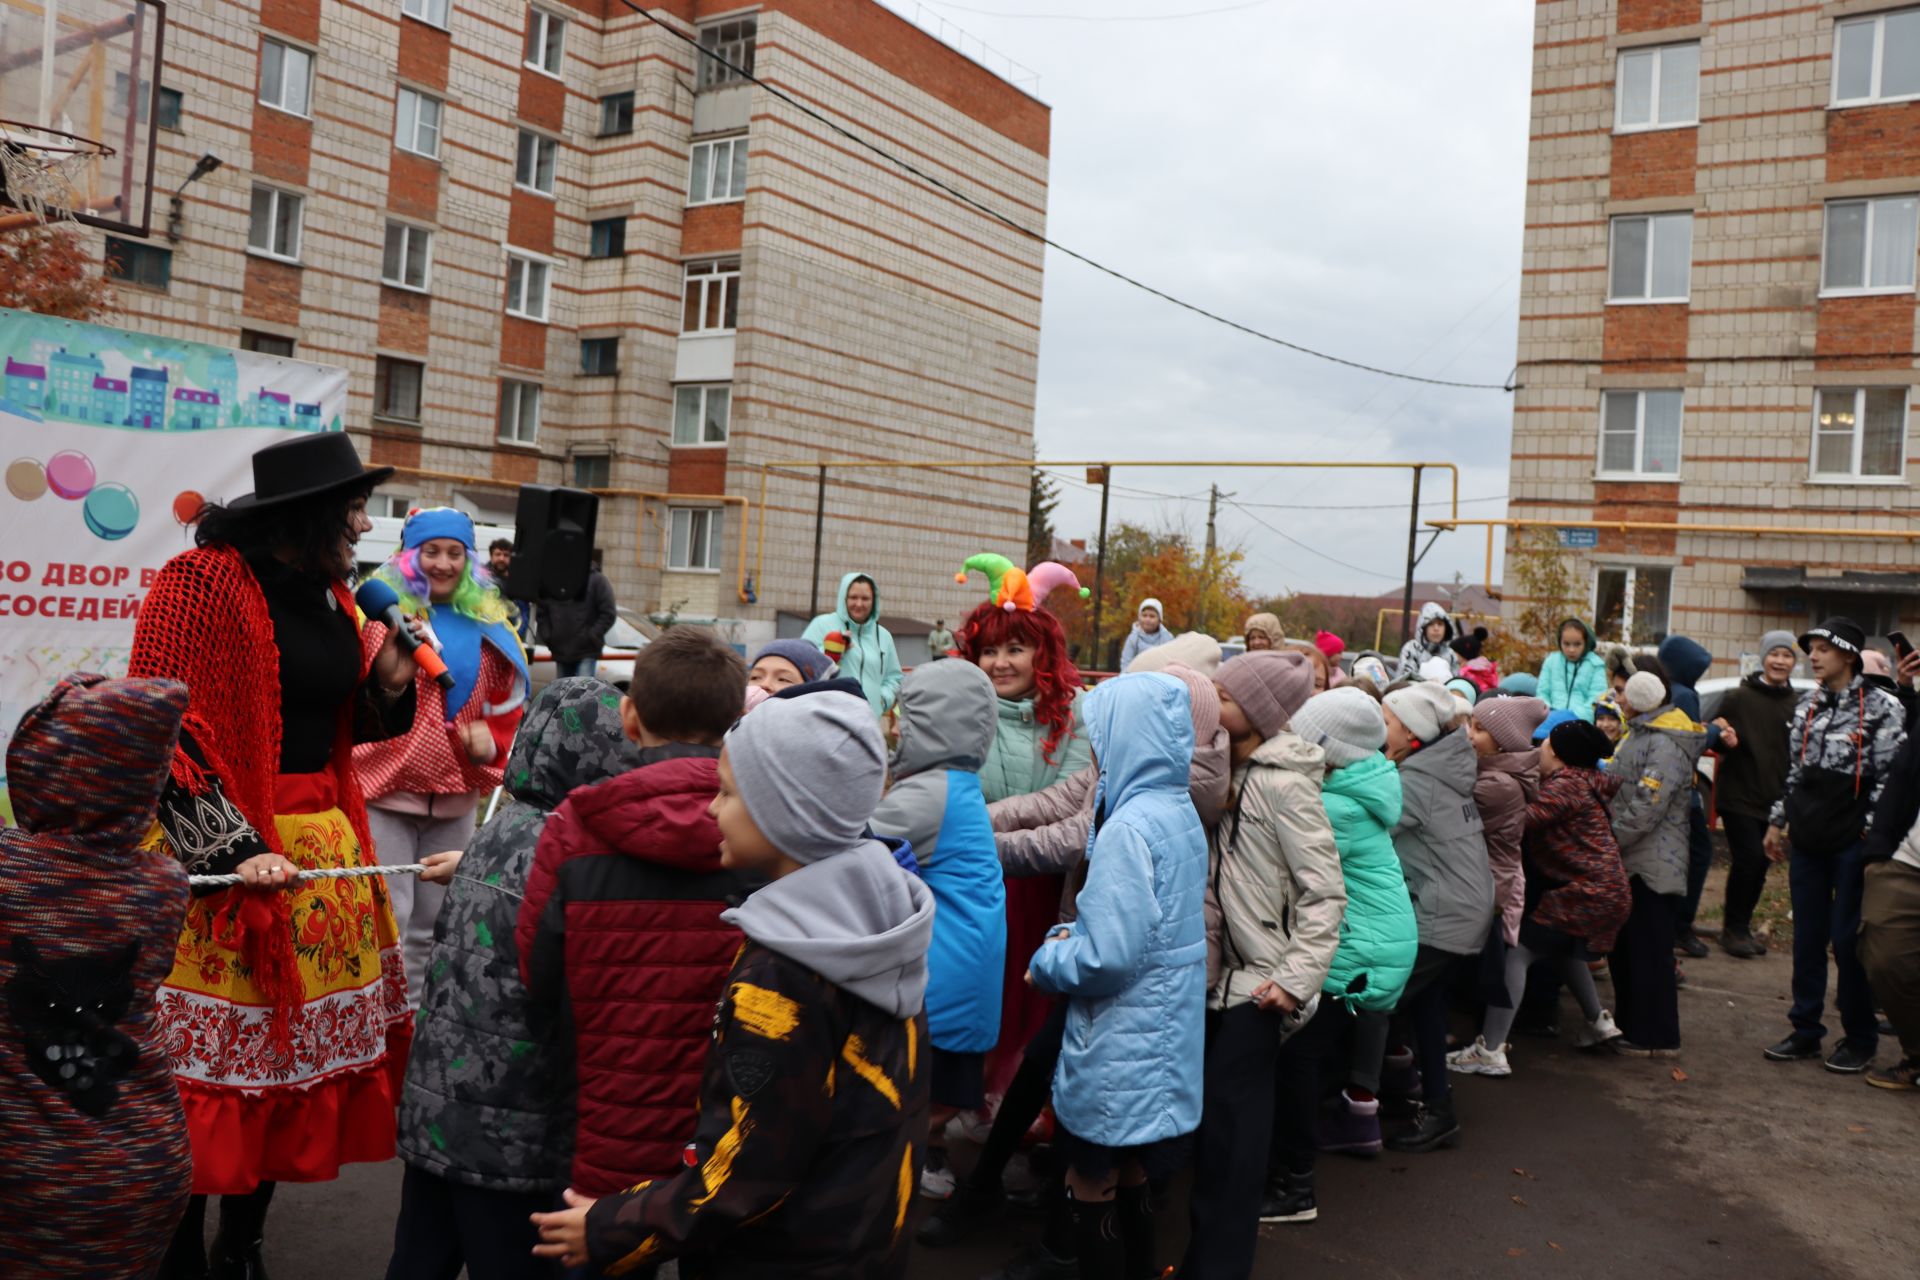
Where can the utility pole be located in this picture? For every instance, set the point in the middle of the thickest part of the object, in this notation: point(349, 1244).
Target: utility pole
point(1098, 475)
point(1206, 584)
point(819, 534)
point(1413, 558)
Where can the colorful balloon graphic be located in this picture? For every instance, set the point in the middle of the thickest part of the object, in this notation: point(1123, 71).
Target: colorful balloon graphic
point(187, 505)
point(70, 474)
point(112, 511)
point(26, 479)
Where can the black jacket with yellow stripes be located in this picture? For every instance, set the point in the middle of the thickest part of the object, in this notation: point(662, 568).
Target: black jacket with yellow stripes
point(813, 1122)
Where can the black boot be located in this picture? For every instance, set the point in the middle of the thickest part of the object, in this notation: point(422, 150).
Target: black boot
point(1433, 1126)
point(237, 1246)
point(1134, 1208)
point(963, 1214)
point(187, 1253)
point(1096, 1231)
point(1289, 1199)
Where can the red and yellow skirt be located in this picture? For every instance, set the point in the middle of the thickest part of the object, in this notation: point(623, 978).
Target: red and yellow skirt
point(293, 1108)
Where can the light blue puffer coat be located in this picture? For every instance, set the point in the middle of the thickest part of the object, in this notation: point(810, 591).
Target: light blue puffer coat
point(947, 714)
point(1134, 963)
point(870, 657)
point(1567, 686)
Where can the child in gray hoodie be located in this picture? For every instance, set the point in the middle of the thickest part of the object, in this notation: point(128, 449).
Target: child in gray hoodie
point(813, 1116)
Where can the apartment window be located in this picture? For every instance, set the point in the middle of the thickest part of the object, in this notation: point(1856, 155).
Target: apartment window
point(722, 43)
point(131, 262)
point(267, 344)
point(408, 254)
point(607, 237)
point(533, 169)
point(712, 296)
point(1640, 433)
point(286, 77)
point(616, 114)
point(545, 35)
point(599, 357)
point(1651, 258)
point(1876, 58)
point(396, 388)
point(169, 113)
point(719, 171)
point(527, 287)
point(519, 411)
point(430, 11)
point(693, 540)
point(1657, 88)
point(1630, 604)
point(592, 471)
point(275, 229)
point(416, 125)
point(700, 414)
point(1859, 433)
point(1870, 245)
point(390, 506)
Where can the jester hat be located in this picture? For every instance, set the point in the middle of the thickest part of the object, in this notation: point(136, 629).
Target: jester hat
point(1012, 587)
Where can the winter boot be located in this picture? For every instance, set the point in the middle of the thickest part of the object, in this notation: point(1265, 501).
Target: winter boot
point(1349, 1127)
point(1134, 1207)
point(1096, 1233)
point(1289, 1198)
point(1434, 1126)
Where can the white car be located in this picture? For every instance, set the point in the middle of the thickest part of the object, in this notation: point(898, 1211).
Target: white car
point(629, 634)
point(1712, 691)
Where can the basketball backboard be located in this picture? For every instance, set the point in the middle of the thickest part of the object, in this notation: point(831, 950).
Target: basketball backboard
point(78, 103)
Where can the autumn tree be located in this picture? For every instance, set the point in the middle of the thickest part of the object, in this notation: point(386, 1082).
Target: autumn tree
point(1043, 497)
point(1541, 579)
point(1164, 564)
point(47, 269)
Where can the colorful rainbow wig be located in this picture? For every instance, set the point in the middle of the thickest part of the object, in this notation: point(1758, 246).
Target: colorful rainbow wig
point(1056, 680)
point(476, 597)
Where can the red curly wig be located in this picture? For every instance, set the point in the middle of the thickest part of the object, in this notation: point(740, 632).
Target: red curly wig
point(1055, 679)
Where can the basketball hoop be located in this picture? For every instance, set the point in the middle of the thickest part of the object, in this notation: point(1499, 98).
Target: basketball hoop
point(44, 172)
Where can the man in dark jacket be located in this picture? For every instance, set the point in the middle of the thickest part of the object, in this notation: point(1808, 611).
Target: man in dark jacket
point(1890, 903)
point(621, 933)
point(576, 630)
point(1686, 661)
point(1844, 738)
point(1754, 719)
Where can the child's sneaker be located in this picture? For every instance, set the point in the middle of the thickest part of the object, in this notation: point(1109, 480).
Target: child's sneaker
point(1479, 1059)
point(1597, 1033)
point(936, 1179)
point(1289, 1199)
point(1349, 1127)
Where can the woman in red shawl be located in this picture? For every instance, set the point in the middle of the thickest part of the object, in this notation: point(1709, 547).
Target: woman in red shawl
point(285, 1012)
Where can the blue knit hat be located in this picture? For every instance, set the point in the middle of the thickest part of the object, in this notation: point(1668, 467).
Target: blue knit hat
point(429, 523)
point(1553, 721)
point(806, 657)
point(1522, 684)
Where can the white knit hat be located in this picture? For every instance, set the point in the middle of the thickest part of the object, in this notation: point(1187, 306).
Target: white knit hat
point(1191, 648)
point(1645, 692)
point(1425, 708)
point(1344, 723)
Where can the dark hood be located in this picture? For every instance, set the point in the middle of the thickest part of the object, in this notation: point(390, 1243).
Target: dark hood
point(656, 813)
point(1685, 660)
point(570, 738)
point(91, 758)
point(1593, 641)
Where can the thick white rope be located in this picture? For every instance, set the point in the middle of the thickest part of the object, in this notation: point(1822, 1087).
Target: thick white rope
point(327, 873)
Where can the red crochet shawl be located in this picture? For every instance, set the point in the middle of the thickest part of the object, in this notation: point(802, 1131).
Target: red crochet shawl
point(205, 623)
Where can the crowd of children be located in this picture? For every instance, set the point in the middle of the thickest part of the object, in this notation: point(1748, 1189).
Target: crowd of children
point(736, 955)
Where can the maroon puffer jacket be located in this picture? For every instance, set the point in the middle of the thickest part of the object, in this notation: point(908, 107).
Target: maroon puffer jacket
point(621, 932)
point(1570, 846)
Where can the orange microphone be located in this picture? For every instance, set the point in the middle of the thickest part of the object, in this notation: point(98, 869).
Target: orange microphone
point(378, 600)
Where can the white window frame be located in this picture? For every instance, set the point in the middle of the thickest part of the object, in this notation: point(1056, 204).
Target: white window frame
point(699, 273)
point(419, 391)
point(1633, 572)
point(426, 11)
point(1639, 471)
point(410, 112)
point(703, 397)
point(514, 392)
point(1862, 290)
point(1654, 221)
point(734, 150)
point(304, 109)
point(544, 20)
point(1658, 53)
point(541, 145)
point(411, 237)
point(1854, 476)
point(276, 196)
point(523, 269)
point(685, 527)
point(1878, 21)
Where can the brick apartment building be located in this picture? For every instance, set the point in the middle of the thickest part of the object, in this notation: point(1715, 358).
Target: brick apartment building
point(551, 243)
point(1718, 308)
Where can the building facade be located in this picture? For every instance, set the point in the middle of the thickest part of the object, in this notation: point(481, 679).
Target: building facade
point(553, 243)
point(1718, 309)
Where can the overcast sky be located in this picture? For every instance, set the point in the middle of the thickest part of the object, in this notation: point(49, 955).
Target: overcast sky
point(1351, 177)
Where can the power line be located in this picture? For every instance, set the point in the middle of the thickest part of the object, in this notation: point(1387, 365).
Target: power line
point(1371, 573)
point(1101, 17)
point(1031, 234)
point(1201, 496)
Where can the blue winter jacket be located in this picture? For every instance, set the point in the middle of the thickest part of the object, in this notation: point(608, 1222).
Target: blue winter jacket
point(947, 715)
point(1134, 964)
point(1568, 686)
point(1686, 660)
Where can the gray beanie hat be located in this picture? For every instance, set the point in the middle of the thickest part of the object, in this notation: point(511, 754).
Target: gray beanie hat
point(1645, 692)
point(810, 771)
point(1345, 723)
point(1779, 640)
point(1425, 708)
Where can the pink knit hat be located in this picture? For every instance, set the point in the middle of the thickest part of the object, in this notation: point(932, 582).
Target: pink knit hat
point(1330, 644)
point(1270, 685)
point(1206, 703)
point(1510, 722)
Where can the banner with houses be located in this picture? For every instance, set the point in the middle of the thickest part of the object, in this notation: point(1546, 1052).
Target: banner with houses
point(112, 440)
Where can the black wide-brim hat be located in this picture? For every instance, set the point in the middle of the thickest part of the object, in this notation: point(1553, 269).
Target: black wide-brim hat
point(305, 466)
point(1843, 634)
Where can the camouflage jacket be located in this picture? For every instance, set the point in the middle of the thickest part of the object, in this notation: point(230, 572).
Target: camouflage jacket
point(485, 1102)
point(813, 1122)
